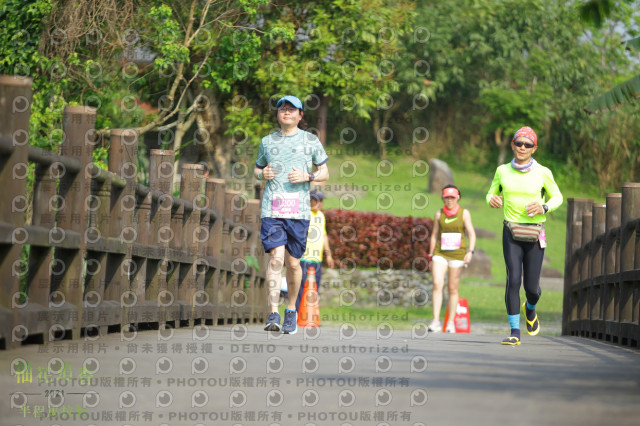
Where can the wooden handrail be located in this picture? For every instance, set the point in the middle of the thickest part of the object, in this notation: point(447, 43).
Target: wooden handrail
point(601, 275)
point(100, 233)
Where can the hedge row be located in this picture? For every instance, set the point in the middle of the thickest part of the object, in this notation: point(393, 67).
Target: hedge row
point(378, 240)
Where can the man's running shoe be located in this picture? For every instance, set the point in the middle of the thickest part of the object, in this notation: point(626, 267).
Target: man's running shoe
point(273, 322)
point(435, 326)
point(290, 324)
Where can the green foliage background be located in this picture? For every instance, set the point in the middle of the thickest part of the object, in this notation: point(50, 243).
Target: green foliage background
point(403, 80)
point(470, 72)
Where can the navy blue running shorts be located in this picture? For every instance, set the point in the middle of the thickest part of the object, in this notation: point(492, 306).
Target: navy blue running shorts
point(291, 233)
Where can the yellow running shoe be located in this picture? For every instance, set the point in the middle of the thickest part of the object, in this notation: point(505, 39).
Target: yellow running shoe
point(511, 340)
point(533, 327)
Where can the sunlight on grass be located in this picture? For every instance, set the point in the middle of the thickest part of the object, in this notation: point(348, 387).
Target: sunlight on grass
point(399, 187)
point(403, 178)
point(486, 305)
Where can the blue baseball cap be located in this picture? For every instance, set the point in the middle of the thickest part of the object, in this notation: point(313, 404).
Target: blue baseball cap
point(292, 100)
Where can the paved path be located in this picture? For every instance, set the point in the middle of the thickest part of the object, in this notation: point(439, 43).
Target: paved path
point(547, 283)
point(244, 376)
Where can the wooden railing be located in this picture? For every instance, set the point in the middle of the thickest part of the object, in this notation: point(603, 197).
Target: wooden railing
point(602, 268)
point(106, 254)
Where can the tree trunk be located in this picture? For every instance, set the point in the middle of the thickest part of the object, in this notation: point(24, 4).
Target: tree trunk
point(181, 129)
point(322, 119)
point(502, 145)
point(379, 138)
point(177, 143)
point(212, 145)
point(386, 116)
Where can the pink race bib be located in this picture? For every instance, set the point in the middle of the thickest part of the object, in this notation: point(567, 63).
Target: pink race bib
point(285, 205)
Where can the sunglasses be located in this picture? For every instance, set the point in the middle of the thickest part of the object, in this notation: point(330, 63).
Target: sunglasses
point(287, 109)
point(527, 145)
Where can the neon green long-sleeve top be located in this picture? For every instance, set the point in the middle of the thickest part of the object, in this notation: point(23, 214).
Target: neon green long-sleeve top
point(520, 189)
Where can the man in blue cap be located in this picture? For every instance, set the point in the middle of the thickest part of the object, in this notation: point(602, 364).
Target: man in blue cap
point(285, 161)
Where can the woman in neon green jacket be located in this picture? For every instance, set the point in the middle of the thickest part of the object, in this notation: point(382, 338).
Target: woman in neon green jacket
point(520, 188)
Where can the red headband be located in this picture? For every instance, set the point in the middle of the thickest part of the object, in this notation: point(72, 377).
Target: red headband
point(526, 132)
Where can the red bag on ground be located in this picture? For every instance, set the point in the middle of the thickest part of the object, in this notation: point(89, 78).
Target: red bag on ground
point(461, 321)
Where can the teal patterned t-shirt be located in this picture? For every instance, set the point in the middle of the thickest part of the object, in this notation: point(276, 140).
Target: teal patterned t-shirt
point(283, 199)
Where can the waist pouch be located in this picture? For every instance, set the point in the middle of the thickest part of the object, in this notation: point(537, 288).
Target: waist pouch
point(525, 231)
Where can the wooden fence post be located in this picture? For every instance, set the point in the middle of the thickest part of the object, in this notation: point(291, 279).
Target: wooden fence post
point(587, 228)
point(205, 268)
point(263, 308)
point(191, 189)
point(241, 235)
point(73, 216)
point(161, 172)
point(123, 160)
point(610, 267)
point(247, 220)
point(629, 280)
point(576, 236)
point(175, 248)
point(576, 207)
point(40, 257)
point(256, 289)
point(585, 272)
point(230, 249)
point(597, 268)
point(215, 192)
point(99, 312)
point(143, 257)
point(15, 102)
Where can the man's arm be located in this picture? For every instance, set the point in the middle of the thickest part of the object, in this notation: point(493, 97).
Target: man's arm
point(322, 174)
point(267, 173)
point(299, 176)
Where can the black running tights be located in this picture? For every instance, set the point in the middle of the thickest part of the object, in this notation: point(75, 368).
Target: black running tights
point(519, 257)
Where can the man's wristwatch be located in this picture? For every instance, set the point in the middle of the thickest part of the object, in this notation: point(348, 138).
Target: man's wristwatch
point(545, 208)
point(311, 177)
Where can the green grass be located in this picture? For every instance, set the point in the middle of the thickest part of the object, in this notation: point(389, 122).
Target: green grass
point(403, 186)
point(486, 297)
point(486, 305)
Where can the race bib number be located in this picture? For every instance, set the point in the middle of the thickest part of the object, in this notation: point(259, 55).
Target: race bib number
point(450, 241)
point(285, 205)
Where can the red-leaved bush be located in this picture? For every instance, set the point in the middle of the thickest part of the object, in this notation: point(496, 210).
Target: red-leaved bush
point(378, 240)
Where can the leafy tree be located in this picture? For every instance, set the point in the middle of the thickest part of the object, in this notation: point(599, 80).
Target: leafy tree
point(509, 108)
point(484, 54)
point(147, 64)
point(21, 55)
point(345, 55)
point(208, 73)
point(596, 12)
